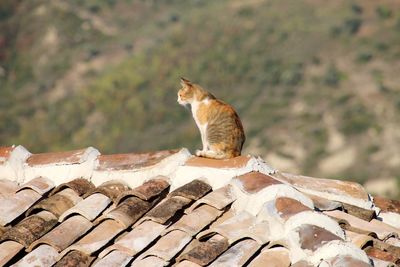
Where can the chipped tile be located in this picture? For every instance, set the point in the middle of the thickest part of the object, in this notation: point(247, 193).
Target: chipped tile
point(151, 261)
point(273, 257)
point(114, 259)
point(286, 207)
point(146, 191)
point(80, 185)
point(132, 160)
point(97, 238)
point(43, 256)
point(65, 234)
point(112, 189)
point(313, 237)
point(193, 190)
point(32, 228)
point(40, 184)
point(75, 259)
point(382, 230)
point(207, 251)
point(166, 209)
point(129, 211)
point(193, 222)
point(238, 254)
point(169, 245)
point(237, 162)
point(14, 205)
point(137, 239)
point(253, 182)
point(90, 207)
point(57, 203)
point(218, 199)
point(8, 250)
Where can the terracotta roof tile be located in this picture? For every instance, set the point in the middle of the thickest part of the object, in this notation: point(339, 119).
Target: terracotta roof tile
point(75, 258)
point(128, 211)
point(273, 257)
point(68, 157)
point(147, 190)
point(40, 184)
point(132, 160)
point(30, 229)
point(8, 250)
point(313, 237)
point(253, 182)
point(43, 255)
point(238, 254)
point(137, 239)
point(114, 259)
point(65, 234)
point(286, 207)
point(57, 203)
point(219, 198)
point(206, 252)
point(97, 238)
point(80, 185)
point(388, 205)
point(91, 207)
point(168, 208)
point(152, 261)
point(193, 190)
point(169, 245)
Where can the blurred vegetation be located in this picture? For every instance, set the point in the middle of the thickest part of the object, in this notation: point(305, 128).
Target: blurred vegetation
point(105, 73)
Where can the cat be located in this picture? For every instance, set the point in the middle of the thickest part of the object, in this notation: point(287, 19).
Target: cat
point(221, 130)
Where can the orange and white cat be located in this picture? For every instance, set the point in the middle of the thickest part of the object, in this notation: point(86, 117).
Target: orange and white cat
point(220, 127)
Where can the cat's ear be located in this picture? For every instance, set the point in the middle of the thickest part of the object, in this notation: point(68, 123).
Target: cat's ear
point(185, 82)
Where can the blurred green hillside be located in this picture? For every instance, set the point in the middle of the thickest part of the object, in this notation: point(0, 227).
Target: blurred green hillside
point(315, 82)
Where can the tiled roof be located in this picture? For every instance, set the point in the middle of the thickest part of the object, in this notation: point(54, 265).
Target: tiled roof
point(169, 208)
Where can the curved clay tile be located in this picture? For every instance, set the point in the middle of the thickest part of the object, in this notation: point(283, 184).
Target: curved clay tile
point(80, 185)
point(75, 259)
point(146, 232)
point(206, 252)
point(195, 221)
point(112, 189)
point(192, 190)
point(91, 207)
point(147, 191)
point(218, 199)
point(272, 257)
point(231, 257)
point(57, 203)
point(44, 255)
point(8, 249)
point(64, 234)
point(40, 184)
point(31, 229)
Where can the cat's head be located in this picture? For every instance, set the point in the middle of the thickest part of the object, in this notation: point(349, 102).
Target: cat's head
point(191, 92)
point(186, 94)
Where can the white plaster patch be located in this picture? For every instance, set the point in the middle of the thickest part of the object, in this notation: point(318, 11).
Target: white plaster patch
point(64, 172)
